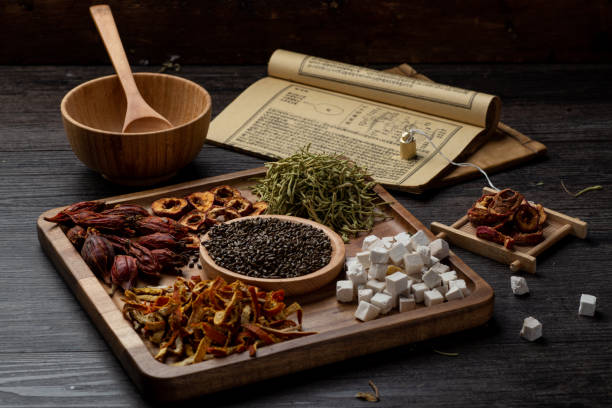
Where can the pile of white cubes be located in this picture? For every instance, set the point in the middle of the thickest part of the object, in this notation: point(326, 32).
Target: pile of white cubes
point(397, 273)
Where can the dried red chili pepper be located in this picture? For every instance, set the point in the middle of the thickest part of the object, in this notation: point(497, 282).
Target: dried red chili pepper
point(195, 221)
point(202, 201)
point(259, 208)
point(225, 193)
point(493, 235)
point(147, 263)
point(526, 218)
point(63, 216)
point(127, 210)
point(172, 207)
point(76, 235)
point(153, 223)
point(98, 254)
point(240, 205)
point(124, 271)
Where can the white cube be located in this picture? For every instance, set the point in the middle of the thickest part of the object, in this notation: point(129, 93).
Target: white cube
point(442, 289)
point(460, 283)
point(403, 238)
point(408, 290)
point(431, 279)
point(413, 263)
point(379, 255)
point(532, 329)
point(397, 252)
point(366, 311)
point(364, 258)
point(383, 301)
point(394, 298)
point(588, 304)
point(378, 271)
point(369, 242)
point(406, 303)
point(344, 291)
point(425, 253)
point(433, 260)
point(432, 297)
point(518, 284)
point(418, 239)
point(453, 293)
point(387, 242)
point(364, 294)
point(375, 285)
point(439, 268)
point(351, 260)
point(357, 275)
point(447, 277)
point(396, 283)
point(439, 248)
point(418, 290)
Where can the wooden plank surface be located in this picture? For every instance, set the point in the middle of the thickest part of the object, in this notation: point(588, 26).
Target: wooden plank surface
point(237, 31)
point(50, 354)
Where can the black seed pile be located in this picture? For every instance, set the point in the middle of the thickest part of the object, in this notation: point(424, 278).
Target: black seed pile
point(268, 248)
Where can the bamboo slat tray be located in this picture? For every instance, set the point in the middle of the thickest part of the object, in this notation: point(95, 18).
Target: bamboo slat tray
point(340, 336)
point(462, 233)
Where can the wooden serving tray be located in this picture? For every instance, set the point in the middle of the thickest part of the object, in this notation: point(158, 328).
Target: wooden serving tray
point(462, 233)
point(340, 336)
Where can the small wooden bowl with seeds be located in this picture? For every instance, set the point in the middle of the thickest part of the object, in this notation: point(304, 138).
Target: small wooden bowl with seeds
point(273, 252)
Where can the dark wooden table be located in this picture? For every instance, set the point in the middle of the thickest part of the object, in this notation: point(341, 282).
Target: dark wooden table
point(51, 354)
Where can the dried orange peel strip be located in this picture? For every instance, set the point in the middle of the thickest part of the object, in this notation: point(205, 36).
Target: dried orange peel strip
point(195, 320)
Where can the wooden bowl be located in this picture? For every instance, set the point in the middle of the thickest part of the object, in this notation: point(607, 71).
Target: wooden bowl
point(291, 286)
point(93, 115)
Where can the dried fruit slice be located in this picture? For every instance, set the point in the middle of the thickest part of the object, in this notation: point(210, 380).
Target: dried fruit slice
point(528, 239)
point(195, 221)
point(493, 235)
point(527, 218)
point(215, 216)
point(202, 201)
point(171, 207)
point(241, 205)
point(259, 208)
point(225, 193)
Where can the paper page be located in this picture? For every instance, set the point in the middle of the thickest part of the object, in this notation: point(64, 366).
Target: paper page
point(274, 118)
point(466, 106)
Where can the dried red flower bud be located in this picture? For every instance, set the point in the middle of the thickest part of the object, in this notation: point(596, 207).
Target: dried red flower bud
point(259, 208)
point(76, 235)
point(202, 201)
point(169, 260)
point(160, 240)
point(98, 254)
point(127, 210)
point(153, 224)
point(63, 217)
point(240, 205)
point(171, 207)
point(491, 234)
point(526, 218)
point(528, 239)
point(103, 222)
point(147, 263)
point(225, 193)
point(124, 271)
point(121, 245)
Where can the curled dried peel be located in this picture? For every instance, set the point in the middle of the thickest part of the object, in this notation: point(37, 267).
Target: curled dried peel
point(212, 317)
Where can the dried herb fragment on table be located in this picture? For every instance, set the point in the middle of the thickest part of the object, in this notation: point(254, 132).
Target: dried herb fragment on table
point(366, 396)
point(584, 190)
point(445, 353)
point(325, 188)
point(197, 320)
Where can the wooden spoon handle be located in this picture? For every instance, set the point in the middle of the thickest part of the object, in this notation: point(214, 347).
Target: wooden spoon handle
point(103, 18)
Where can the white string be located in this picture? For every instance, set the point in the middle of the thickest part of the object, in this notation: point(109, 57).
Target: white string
point(412, 131)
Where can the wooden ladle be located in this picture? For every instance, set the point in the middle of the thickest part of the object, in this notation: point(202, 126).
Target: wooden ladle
point(139, 116)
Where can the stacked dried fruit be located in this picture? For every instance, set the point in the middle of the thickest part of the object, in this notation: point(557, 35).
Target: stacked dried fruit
point(123, 242)
point(196, 320)
point(507, 218)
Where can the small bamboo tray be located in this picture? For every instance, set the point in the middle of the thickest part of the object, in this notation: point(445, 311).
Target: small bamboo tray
point(462, 233)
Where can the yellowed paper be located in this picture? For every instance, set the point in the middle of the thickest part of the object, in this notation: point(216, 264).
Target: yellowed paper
point(274, 118)
point(470, 107)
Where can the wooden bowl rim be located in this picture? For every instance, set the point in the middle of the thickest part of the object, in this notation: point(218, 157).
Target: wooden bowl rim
point(65, 115)
point(337, 255)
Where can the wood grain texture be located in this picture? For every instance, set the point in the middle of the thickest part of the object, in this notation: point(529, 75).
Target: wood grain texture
point(50, 354)
point(237, 32)
point(334, 322)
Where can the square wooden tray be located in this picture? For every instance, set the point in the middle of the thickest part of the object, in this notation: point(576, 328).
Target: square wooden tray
point(462, 233)
point(340, 336)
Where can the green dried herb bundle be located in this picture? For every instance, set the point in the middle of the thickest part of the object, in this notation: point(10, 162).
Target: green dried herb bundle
point(328, 189)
